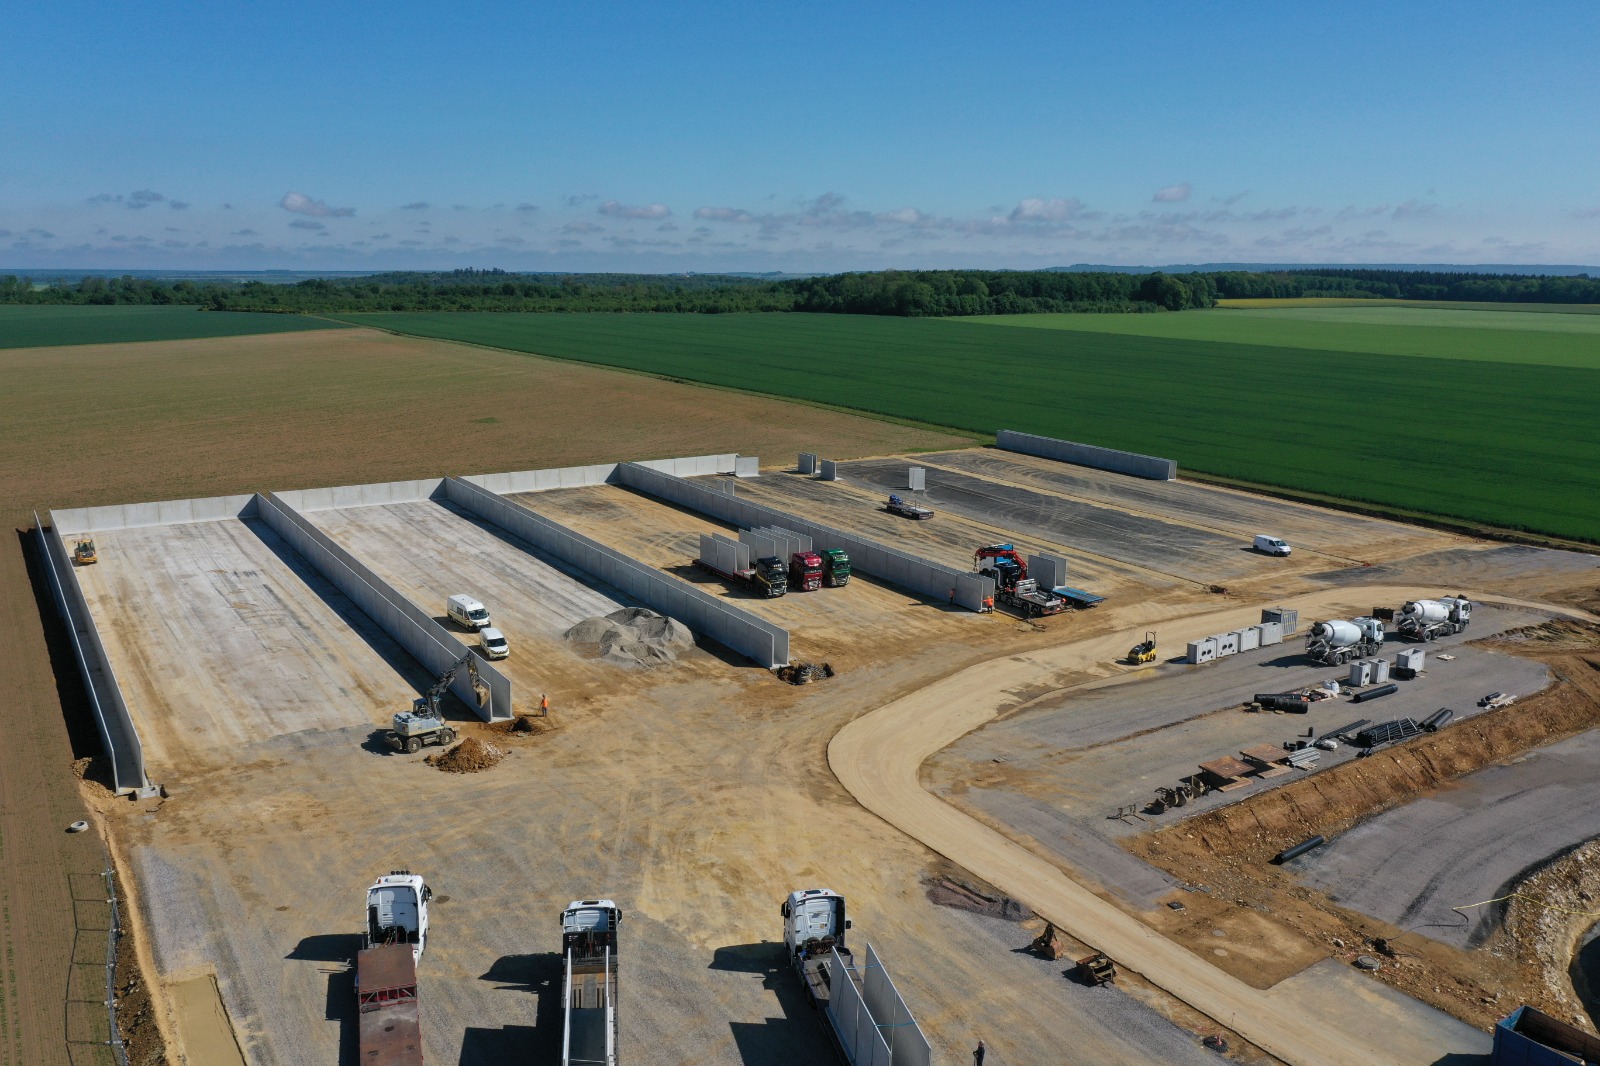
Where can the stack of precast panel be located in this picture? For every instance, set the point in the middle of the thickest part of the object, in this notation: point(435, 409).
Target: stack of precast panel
point(729, 556)
point(761, 545)
point(786, 541)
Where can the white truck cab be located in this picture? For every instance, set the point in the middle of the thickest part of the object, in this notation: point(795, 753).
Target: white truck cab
point(467, 612)
point(1271, 545)
point(813, 920)
point(493, 643)
point(397, 911)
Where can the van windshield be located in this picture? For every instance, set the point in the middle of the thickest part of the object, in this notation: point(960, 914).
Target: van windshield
point(479, 613)
point(497, 642)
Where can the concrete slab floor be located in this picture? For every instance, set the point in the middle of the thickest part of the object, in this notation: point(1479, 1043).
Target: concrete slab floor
point(223, 637)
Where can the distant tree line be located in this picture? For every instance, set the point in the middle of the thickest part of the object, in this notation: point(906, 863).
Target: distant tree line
point(913, 293)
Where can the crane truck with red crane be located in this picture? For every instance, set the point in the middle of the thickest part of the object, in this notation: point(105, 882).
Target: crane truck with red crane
point(1012, 585)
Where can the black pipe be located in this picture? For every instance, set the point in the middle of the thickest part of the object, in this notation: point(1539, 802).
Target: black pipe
point(1372, 694)
point(1438, 718)
point(1299, 849)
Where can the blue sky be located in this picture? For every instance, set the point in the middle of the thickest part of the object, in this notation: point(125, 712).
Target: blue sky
point(664, 137)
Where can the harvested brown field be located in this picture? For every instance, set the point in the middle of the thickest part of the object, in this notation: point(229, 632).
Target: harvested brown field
point(1228, 851)
point(102, 424)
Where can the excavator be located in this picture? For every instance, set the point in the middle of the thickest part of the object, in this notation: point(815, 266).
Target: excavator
point(1144, 651)
point(424, 723)
point(83, 552)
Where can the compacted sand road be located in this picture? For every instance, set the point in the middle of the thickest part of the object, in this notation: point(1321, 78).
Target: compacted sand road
point(878, 757)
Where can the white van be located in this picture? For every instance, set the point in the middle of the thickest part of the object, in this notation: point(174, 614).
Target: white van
point(1271, 545)
point(467, 612)
point(493, 643)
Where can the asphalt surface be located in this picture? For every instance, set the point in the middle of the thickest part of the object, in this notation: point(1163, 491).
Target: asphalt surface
point(1466, 845)
point(1166, 547)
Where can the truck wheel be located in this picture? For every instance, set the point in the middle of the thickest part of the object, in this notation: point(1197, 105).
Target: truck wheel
point(413, 745)
point(447, 736)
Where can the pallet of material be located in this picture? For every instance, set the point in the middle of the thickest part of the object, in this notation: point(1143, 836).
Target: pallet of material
point(1230, 772)
point(1267, 760)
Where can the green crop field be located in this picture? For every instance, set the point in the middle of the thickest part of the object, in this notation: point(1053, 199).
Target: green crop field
point(48, 325)
point(1513, 442)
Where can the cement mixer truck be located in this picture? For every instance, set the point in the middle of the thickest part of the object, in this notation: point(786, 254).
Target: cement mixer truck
point(1336, 643)
point(1425, 620)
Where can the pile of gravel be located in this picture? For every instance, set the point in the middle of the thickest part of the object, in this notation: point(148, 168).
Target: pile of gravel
point(468, 757)
point(633, 636)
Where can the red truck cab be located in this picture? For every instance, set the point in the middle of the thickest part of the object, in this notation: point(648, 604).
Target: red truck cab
point(805, 571)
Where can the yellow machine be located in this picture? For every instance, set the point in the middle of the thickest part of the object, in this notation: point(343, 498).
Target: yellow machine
point(1144, 651)
point(83, 552)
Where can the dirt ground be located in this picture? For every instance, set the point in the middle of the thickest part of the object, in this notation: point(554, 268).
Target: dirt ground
point(107, 424)
point(1228, 850)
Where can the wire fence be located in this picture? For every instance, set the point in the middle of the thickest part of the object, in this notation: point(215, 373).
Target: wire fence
point(93, 1038)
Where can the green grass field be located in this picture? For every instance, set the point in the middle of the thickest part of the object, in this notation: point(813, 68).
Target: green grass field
point(41, 326)
point(1510, 443)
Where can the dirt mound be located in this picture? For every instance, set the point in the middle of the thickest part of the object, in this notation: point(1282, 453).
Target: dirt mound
point(468, 757)
point(975, 896)
point(633, 636)
point(523, 725)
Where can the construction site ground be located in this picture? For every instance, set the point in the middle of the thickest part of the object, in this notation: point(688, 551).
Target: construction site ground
point(699, 793)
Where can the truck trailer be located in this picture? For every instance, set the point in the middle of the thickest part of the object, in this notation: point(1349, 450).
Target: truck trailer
point(767, 576)
point(387, 1001)
point(589, 943)
point(906, 509)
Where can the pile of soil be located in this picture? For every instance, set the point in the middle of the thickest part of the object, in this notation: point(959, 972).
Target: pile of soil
point(1548, 917)
point(633, 636)
point(523, 725)
point(967, 893)
point(804, 673)
point(468, 757)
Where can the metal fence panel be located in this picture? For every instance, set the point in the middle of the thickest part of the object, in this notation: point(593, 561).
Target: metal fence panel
point(1145, 466)
point(435, 647)
point(111, 715)
point(753, 637)
point(930, 579)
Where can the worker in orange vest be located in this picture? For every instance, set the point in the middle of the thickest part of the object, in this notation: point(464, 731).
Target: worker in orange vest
point(544, 705)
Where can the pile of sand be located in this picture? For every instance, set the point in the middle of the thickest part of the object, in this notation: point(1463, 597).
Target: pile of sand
point(468, 757)
point(633, 636)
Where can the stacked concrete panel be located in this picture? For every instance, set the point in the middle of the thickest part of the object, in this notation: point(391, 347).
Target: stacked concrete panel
point(303, 500)
point(111, 716)
point(930, 579)
point(726, 555)
point(788, 542)
point(747, 466)
point(830, 470)
point(917, 479)
point(572, 477)
point(761, 545)
point(1048, 570)
point(70, 520)
point(435, 647)
point(908, 1046)
point(1145, 466)
point(750, 636)
point(807, 463)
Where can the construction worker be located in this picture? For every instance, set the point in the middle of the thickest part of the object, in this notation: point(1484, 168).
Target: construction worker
point(978, 1053)
point(544, 705)
point(988, 604)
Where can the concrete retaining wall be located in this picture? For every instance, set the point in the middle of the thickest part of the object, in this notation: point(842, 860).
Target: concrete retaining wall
point(576, 477)
point(115, 724)
point(435, 647)
point(755, 638)
point(929, 579)
point(1146, 466)
point(70, 520)
point(744, 466)
point(363, 495)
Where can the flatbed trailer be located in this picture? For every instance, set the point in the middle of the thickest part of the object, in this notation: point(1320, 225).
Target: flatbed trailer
point(906, 509)
point(386, 994)
point(1077, 597)
point(589, 942)
point(769, 582)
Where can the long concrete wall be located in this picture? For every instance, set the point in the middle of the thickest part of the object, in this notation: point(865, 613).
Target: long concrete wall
point(117, 734)
point(574, 477)
point(930, 579)
point(70, 520)
point(1146, 466)
point(362, 495)
point(750, 636)
point(429, 643)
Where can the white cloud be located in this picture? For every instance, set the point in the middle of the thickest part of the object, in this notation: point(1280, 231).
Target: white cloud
point(723, 214)
point(1172, 193)
point(618, 210)
point(905, 216)
point(301, 204)
point(1054, 209)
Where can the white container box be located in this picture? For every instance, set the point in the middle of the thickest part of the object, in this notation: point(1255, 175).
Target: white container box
point(1271, 633)
point(1380, 671)
point(1227, 643)
point(1360, 673)
point(1249, 638)
point(1202, 651)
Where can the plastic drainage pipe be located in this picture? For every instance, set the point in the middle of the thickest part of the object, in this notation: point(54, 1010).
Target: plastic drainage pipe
point(1298, 850)
point(1372, 694)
